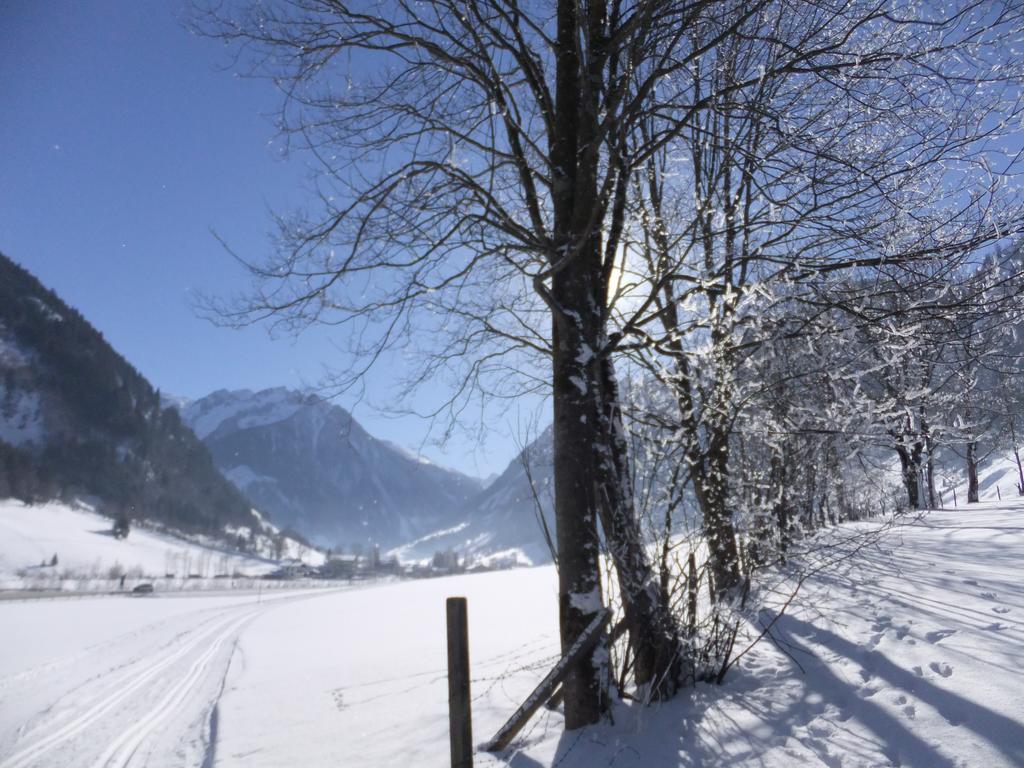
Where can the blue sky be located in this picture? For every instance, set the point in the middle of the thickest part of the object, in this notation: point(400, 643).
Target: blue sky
point(125, 142)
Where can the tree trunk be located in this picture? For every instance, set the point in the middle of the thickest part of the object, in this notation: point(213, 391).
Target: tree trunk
point(576, 328)
point(654, 632)
point(588, 420)
point(930, 470)
point(579, 575)
point(709, 477)
point(1016, 455)
point(719, 530)
point(972, 471)
point(590, 458)
point(908, 469)
point(834, 481)
point(781, 506)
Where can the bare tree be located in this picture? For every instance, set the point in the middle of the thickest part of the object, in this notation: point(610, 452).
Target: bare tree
point(473, 185)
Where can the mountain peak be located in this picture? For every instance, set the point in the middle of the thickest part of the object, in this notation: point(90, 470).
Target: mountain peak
point(244, 408)
point(311, 464)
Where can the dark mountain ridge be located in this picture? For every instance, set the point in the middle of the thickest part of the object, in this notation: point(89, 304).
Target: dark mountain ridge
point(77, 420)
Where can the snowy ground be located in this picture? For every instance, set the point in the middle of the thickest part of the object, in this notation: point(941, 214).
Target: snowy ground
point(117, 680)
point(910, 655)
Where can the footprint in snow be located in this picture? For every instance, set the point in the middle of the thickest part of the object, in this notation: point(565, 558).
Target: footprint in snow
point(918, 671)
point(339, 698)
point(879, 627)
point(942, 669)
point(972, 582)
point(910, 712)
point(988, 595)
point(997, 627)
point(883, 624)
point(1001, 609)
point(939, 635)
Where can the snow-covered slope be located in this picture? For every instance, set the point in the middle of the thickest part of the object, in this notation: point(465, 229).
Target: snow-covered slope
point(504, 520)
point(231, 411)
point(22, 422)
point(315, 469)
point(30, 536)
point(998, 477)
point(266, 540)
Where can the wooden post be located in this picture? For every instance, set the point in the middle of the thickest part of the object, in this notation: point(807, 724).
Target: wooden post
point(460, 721)
point(999, 493)
point(954, 496)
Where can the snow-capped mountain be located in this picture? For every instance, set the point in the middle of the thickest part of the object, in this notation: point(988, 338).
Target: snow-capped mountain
point(504, 520)
point(315, 469)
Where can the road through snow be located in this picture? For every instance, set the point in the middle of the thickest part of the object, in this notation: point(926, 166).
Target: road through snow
point(107, 682)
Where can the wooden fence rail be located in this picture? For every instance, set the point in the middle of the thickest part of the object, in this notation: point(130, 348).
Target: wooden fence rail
point(584, 643)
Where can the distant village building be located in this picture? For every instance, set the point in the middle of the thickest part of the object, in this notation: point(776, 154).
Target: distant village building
point(292, 569)
point(339, 566)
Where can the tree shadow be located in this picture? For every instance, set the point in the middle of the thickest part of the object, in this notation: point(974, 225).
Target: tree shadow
point(901, 744)
point(747, 720)
point(768, 713)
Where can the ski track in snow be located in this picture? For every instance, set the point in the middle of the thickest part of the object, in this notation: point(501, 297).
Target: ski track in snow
point(142, 697)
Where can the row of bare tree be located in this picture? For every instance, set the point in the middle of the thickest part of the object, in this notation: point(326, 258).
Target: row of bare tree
point(759, 208)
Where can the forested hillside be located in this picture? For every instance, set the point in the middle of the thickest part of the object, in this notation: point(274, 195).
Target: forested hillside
point(77, 420)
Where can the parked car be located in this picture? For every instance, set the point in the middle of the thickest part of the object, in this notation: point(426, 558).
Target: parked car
point(143, 589)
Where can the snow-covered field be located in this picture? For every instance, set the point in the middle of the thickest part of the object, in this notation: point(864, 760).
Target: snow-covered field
point(116, 680)
point(908, 653)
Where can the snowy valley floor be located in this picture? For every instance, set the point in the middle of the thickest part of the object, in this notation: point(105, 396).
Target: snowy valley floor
point(911, 652)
